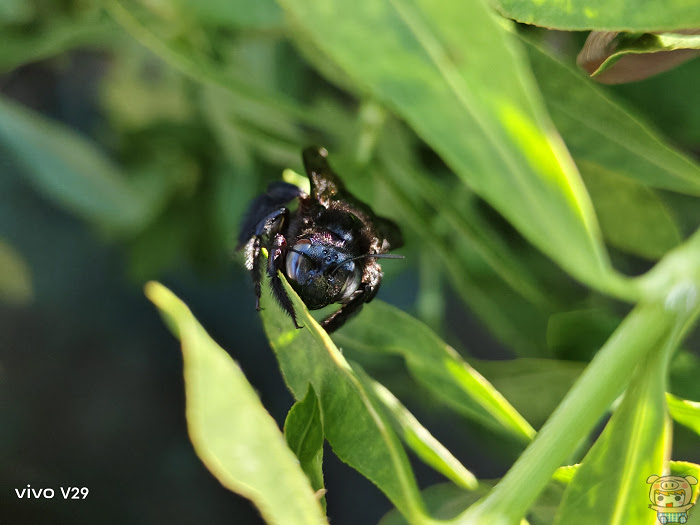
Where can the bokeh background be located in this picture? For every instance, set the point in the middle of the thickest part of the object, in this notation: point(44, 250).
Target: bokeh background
point(91, 388)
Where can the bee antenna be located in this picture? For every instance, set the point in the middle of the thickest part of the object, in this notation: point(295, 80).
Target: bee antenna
point(367, 256)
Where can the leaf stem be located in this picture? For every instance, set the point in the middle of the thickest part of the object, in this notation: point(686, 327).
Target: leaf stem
point(602, 381)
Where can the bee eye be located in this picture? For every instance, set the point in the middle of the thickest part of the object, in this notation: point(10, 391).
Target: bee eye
point(299, 262)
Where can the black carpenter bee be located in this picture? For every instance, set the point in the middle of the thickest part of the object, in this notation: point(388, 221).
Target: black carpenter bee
point(327, 247)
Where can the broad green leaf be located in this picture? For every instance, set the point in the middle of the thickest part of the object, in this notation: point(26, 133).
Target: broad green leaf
point(304, 434)
point(489, 277)
point(457, 77)
point(636, 44)
point(630, 15)
point(230, 429)
point(520, 381)
point(632, 217)
point(599, 130)
point(685, 412)
point(260, 14)
point(355, 426)
point(383, 328)
point(610, 483)
point(417, 437)
point(15, 276)
point(71, 171)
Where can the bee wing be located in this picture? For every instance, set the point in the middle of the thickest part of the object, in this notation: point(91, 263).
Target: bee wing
point(325, 184)
point(277, 196)
point(326, 187)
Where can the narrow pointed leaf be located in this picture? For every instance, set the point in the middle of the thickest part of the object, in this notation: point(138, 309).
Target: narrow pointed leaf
point(231, 431)
point(355, 426)
point(685, 412)
point(434, 364)
point(417, 437)
point(304, 434)
point(647, 327)
point(610, 483)
point(598, 129)
point(458, 78)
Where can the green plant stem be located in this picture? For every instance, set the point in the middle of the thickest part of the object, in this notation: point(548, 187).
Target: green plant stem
point(602, 381)
point(203, 70)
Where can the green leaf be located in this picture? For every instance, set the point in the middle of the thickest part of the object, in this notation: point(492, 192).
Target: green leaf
point(304, 434)
point(455, 75)
point(520, 381)
point(632, 217)
point(231, 432)
point(578, 334)
point(512, 319)
point(685, 412)
point(15, 276)
point(71, 171)
point(417, 437)
point(489, 276)
point(444, 501)
point(644, 329)
point(260, 14)
point(17, 48)
point(636, 44)
point(598, 129)
point(619, 15)
point(355, 426)
point(383, 328)
point(611, 483)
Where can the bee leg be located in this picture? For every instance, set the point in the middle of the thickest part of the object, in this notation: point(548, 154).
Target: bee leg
point(274, 264)
point(350, 309)
point(256, 273)
point(282, 297)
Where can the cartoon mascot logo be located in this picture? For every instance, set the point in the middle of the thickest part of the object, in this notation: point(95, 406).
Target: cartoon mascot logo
point(670, 497)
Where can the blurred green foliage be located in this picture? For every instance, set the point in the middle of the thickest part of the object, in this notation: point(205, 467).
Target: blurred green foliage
point(548, 205)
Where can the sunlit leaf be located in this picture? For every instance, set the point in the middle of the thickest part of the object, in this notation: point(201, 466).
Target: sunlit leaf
point(598, 129)
point(685, 412)
point(355, 426)
point(611, 481)
point(629, 15)
point(417, 437)
point(458, 78)
point(231, 431)
point(434, 364)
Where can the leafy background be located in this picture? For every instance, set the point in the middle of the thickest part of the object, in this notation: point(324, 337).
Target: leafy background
point(133, 135)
